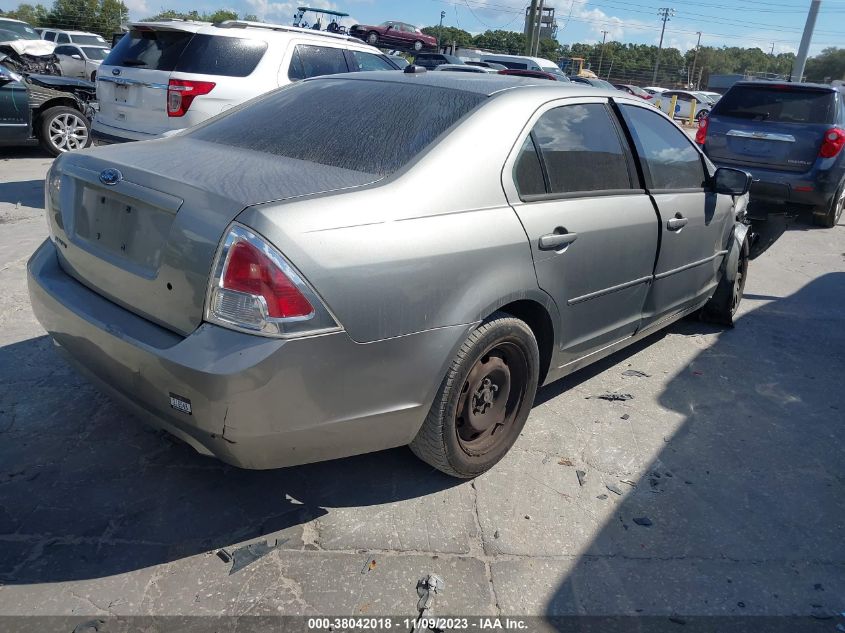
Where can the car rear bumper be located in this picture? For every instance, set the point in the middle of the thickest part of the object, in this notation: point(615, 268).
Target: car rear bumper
point(104, 134)
point(794, 192)
point(255, 402)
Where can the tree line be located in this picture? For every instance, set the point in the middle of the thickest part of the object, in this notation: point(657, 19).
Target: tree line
point(634, 63)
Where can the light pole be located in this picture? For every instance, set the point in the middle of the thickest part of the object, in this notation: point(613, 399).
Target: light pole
point(440, 32)
point(804, 48)
point(601, 58)
point(666, 13)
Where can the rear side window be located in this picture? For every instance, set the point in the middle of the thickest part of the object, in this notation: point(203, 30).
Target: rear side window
point(316, 61)
point(149, 48)
point(581, 150)
point(225, 56)
point(90, 40)
point(333, 122)
point(528, 174)
point(774, 103)
point(368, 61)
point(667, 153)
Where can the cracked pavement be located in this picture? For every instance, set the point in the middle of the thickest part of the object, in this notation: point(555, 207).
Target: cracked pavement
point(731, 448)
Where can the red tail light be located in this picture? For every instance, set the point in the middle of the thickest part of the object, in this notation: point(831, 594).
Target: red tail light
point(181, 93)
point(250, 271)
point(253, 288)
point(701, 133)
point(834, 140)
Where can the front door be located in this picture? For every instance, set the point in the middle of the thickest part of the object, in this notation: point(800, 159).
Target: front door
point(14, 109)
point(71, 60)
point(695, 222)
point(592, 229)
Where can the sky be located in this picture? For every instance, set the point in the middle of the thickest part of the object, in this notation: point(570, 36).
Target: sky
point(748, 23)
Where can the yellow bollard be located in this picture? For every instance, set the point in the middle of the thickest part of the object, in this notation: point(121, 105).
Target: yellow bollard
point(692, 112)
point(672, 106)
point(657, 103)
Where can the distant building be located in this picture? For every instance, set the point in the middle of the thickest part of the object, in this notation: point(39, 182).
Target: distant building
point(548, 24)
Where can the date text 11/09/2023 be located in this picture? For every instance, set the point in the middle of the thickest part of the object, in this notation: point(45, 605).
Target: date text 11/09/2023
point(416, 624)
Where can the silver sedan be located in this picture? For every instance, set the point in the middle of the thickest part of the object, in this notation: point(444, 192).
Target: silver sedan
point(274, 293)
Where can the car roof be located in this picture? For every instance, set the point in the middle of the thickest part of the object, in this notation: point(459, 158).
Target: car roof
point(791, 84)
point(478, 83)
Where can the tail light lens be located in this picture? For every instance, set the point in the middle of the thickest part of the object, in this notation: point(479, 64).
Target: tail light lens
point(701, 132)
point(255, 289)
point(182, 92)
point(834, 140)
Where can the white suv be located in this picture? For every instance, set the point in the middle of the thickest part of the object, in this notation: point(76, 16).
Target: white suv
point(166, 76)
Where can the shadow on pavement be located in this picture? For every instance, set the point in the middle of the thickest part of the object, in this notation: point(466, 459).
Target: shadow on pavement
point(88, 491)
point(29, 193)
point(745, 501)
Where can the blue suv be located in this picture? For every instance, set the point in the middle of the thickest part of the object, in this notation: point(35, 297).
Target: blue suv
point(790, 137)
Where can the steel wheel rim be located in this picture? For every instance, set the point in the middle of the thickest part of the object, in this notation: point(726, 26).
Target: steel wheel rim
point(490, 399)
point(417, 46)
point(68, 132)
point(372, 38)
point(739, 283)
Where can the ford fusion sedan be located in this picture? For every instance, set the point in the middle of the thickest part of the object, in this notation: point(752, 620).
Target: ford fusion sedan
point(269, 302)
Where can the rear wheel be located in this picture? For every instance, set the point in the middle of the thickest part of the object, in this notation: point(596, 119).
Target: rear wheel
point(702, 114)
point(64, 129)
point(372, 38)
point(484, 401)
point(418, 46)
point(834, 213)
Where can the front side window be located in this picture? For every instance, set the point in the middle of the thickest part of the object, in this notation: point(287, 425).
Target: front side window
point(581, 149)
point(316, 61)
point(63, 38)
point(65, 50)
point(665, 151)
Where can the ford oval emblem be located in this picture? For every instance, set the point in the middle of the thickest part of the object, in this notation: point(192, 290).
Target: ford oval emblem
point(115, 71)
point(110, 176)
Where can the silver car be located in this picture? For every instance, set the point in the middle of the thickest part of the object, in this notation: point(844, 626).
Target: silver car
point(275, 293)
point(81, 61)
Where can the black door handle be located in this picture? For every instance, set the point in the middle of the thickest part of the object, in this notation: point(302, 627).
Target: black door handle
point(554, 241)
point(676, 223)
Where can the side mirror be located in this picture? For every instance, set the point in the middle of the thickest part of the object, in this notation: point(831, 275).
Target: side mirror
point(76, 56)
point(733, 182)
point(7, 76)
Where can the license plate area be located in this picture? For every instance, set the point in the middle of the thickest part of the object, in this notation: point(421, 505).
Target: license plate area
point(121, 93)
point(122, 228)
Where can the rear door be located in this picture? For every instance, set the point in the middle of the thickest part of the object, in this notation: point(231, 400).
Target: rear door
point(132, 82)
point(592, 229)
point(778, 126)
point(695, 223)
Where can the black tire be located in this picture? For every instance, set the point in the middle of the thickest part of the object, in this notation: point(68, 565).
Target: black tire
point(418, 46)
point(491, 383)
point(372, 38)
point(725, 301)
point(93, 76)
point(834, 212)
point(53, 124)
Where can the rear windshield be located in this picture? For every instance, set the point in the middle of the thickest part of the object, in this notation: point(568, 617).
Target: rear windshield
point(91, 40)
point(153, 49)
point(781, 104)
point(184, 52)
point(333, 122)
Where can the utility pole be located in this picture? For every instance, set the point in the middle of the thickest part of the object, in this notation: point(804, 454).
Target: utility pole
point(529, 32)
point(601, 58)
point(440, 32)
point(666, 13)
point(695, 59)
point(804, 49)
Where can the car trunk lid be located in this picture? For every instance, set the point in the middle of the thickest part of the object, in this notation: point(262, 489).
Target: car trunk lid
point(771, 126)
point(147, 241)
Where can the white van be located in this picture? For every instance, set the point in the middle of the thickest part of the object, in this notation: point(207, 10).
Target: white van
point(520, 62)
point(166, 76)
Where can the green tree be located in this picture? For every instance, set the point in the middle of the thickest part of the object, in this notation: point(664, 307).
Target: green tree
point(448, 35)
point(827, 65)
point(509, 42)
point(34, 15)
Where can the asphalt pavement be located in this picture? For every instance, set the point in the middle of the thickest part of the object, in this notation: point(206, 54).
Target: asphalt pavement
point(717, 489)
